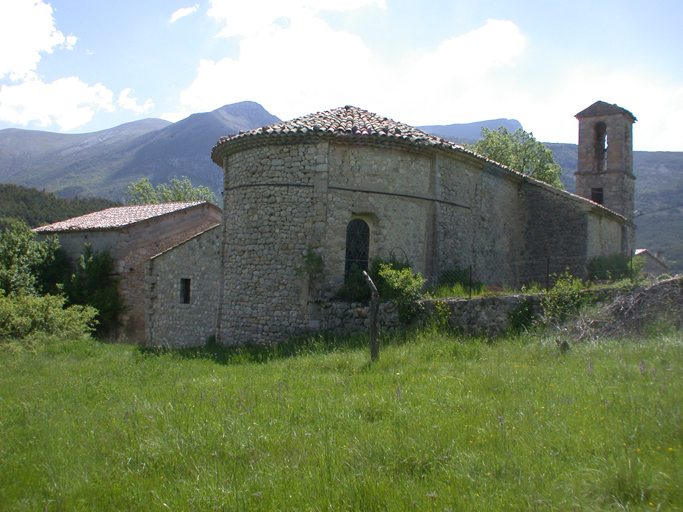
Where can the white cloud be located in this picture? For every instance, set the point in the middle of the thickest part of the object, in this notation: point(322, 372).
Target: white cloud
point(67, 102)
point(26, 30)
point(127, 102)
point(308, 66)
point(293, 69)
point(463, 79)
point(656, 103)
point(181, 13)
point(248, 19)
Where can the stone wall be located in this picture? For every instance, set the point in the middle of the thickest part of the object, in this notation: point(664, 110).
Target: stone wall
point(485, 232)
point(131, 247)
point(271, 201)
point(556, 231)
point(436, 208)
point(383, 187)
point(487, 316)
point(170, 322)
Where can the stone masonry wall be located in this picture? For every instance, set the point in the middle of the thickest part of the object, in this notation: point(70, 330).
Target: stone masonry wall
point(131, 247)
point(556, 234)
point(382, 187)
point(169, 321)
point(270, 200)
point(435, 209)
point(604, 236)
point(486, 233)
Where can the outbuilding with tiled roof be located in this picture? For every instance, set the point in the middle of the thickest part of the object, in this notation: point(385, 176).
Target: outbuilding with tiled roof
point(132, 235)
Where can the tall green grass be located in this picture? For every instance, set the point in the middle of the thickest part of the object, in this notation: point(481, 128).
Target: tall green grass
point(439, 423)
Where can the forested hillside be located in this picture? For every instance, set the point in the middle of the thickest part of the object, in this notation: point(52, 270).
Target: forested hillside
point(38, 207)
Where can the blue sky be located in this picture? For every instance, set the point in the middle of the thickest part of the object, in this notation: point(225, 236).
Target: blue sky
point(84, 65)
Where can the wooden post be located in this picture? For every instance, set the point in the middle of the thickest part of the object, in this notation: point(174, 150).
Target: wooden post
point(374, 310)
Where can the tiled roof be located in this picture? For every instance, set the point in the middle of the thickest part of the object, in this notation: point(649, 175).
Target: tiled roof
point(344, 122)
point(117, 217)
point(600, 108)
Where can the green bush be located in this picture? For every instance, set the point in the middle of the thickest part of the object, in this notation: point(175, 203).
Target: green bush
point(566, 297)
point(355, 288)
point(25, 316)
point(522, 318)
point(93, 284)
point(406, 288)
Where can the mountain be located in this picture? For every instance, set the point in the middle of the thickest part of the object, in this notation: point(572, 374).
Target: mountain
point(102, 164)
point(469, 131)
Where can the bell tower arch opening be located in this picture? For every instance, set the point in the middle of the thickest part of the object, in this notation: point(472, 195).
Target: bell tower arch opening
point(600, 146)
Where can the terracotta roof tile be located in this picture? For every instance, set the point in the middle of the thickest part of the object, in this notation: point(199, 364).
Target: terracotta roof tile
point(117, 217)
point(343, 122)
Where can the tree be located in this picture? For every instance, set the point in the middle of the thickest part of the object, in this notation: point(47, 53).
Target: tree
point(94, 284)
point(143, 192)
point(521, 152)
point(20, 257)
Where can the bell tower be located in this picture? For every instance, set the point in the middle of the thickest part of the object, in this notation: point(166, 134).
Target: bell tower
point(605, 167)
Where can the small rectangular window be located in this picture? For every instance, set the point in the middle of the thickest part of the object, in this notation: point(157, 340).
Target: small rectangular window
point(597, 195)
point(185, 291)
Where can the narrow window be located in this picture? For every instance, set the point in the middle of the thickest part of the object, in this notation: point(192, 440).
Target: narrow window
point(601, 144)
point(357, 246)
point(597, 195)
point(185, 291)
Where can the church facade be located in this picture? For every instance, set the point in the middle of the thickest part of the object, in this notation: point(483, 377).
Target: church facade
point(346, 186)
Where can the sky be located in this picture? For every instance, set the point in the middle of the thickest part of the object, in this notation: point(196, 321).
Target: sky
point(77, 66)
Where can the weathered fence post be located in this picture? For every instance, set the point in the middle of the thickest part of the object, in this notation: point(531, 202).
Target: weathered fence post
point(374, 310)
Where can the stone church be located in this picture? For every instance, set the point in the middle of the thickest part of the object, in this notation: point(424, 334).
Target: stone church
point(349, 186)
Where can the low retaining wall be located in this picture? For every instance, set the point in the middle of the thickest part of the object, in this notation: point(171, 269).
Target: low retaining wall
point(351, 318)
point(487, 316)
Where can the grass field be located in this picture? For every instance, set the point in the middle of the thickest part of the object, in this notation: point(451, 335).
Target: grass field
point(438, 423)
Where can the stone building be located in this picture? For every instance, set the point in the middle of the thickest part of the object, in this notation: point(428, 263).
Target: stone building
point(605, 164)
point(133, 234)
point(345, 186)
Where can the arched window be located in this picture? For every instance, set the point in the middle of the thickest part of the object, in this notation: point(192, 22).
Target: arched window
point(601, 143)
point(357, 245)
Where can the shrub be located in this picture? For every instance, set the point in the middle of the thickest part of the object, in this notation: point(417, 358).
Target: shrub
point(355, 288)
point(93, 285)
point(406, 288)
point(566, 297)
point(23, 317)
point(522, 318)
